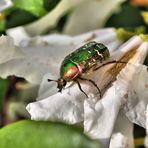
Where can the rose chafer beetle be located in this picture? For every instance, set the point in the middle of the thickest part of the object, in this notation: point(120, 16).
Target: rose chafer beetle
point(79, 62)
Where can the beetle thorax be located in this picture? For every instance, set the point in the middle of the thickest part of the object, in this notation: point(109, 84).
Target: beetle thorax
point(72, 72)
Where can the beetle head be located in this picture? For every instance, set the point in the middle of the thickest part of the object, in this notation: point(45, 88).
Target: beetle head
point(60, 83)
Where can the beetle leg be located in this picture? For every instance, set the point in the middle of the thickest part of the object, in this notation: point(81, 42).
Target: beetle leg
point(78, 83)
point(110, 62)
point(93, 84)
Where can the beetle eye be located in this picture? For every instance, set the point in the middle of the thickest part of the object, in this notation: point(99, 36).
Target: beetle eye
point(64, 82)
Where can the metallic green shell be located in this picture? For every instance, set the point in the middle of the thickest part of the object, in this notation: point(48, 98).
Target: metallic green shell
point(83, 55)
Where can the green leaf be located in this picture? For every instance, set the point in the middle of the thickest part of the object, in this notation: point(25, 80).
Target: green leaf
point(3, 90)
point(2, 25)
point(128, 16)
point(123, 35)
point(50, 4)
point(33, 6)
point(18, 17)
point(42, 134)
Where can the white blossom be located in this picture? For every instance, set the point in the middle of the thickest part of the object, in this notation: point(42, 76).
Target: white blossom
point(124, 86)
point(127, 93)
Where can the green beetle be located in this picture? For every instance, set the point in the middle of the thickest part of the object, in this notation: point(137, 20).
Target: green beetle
point(80, 62)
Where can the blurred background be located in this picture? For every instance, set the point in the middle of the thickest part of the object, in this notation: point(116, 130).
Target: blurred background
point(72, 19)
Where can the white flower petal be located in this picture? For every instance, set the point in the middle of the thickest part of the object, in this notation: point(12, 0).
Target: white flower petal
point(99, 118)
point(137, 81)
point(61, 106)
point(146, 125)
point(131, 44)
point(79, 21)
point(47, 88)
point(29, 68)
point(8, 51)
point(30, 63)
point(137, 94)
point(122, 136)
point(18, 34)
point(118, 141)
point(107, 36)
point(52, 17)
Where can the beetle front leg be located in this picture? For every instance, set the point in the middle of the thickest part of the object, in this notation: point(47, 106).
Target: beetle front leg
point(92, 83)
point(78, 83)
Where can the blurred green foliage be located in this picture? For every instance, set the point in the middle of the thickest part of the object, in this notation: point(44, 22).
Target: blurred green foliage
point(4, 85)
point(127, 16)
point(18, 17)
point(41, 134)
point(124, 35)
point(50, 4)
point(2, 25)
point(25, 11)
point(36, 7)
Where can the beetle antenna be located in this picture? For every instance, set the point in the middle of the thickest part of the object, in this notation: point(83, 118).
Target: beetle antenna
point(49, 80)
